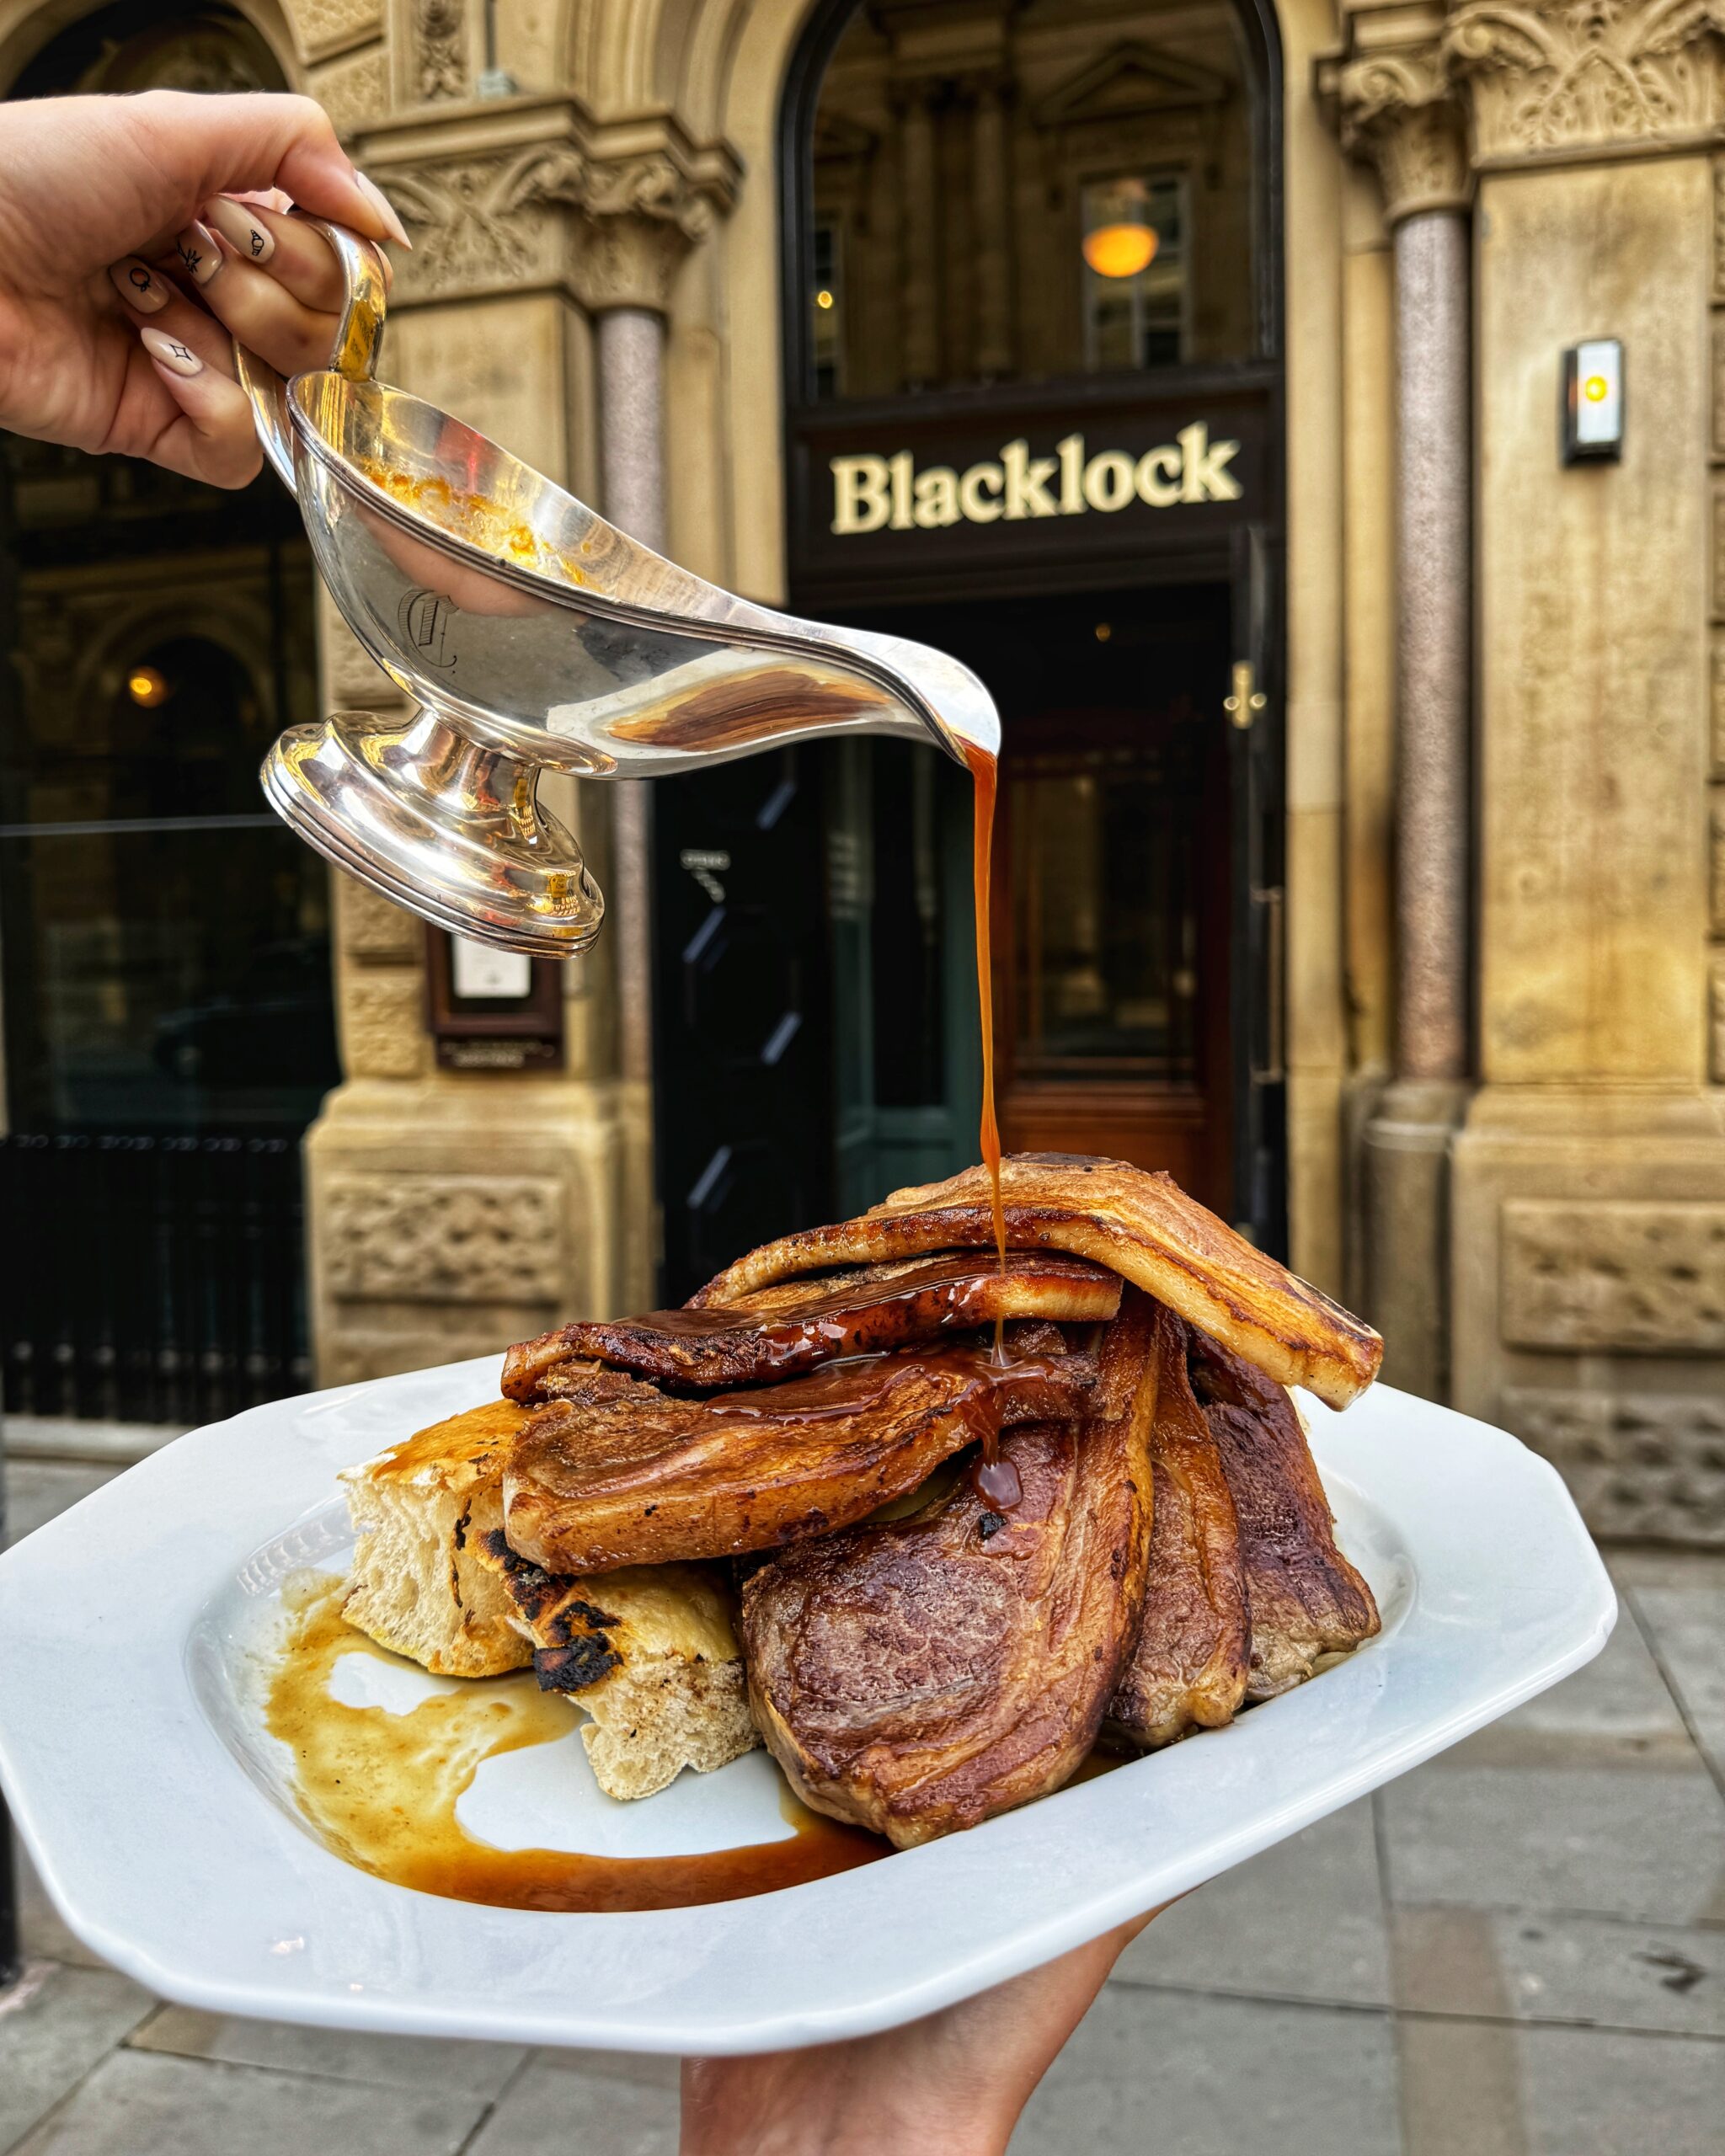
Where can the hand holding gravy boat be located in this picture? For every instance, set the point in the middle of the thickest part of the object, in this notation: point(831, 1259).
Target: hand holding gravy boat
point(532, 635)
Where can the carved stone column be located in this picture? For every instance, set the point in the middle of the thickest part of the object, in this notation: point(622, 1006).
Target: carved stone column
point(1395, 111)
point(640, 215)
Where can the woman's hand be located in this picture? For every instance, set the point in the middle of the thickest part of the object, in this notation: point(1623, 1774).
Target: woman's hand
point(133, 245)
point(952, 2085)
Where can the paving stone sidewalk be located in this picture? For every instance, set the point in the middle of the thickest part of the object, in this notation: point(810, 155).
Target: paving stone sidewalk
point(1517, 1950)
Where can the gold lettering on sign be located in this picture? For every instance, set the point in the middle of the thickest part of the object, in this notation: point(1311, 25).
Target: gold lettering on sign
point(874, 494)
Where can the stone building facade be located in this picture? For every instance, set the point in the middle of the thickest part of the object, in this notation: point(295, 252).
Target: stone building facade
point(1500, 1012)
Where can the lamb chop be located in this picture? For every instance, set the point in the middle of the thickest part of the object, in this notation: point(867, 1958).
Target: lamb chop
point(1188, 1669)
point(1307, 1599)
point(1140, 1225)
point(920, 1676)
point(614, 1472)
point(782, 1330)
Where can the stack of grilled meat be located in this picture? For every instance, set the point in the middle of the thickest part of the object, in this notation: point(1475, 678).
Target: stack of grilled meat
point(977, 1514)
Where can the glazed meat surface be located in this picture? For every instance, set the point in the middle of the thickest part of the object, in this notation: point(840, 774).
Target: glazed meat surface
point(1307, 1599)
point(1140, 1224)
point(617, 1473)
point(921, 1676)
point(1188, 1668)
point(782, 1331)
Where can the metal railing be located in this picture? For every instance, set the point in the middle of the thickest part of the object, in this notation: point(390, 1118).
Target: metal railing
point(150, 1278)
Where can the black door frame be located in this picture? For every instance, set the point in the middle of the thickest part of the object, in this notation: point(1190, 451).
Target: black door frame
point(1247, 552)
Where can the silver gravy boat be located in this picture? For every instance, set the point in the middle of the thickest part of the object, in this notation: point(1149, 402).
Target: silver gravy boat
point(532, 635)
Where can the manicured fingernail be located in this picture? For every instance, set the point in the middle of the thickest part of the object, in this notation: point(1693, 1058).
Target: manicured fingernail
point(386, 210)
point(168, 352)
point(199, 253)
point(138, 286)
point(246, 235)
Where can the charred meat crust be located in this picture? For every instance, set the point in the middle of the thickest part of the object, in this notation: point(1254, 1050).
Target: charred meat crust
point(1188, 1668)
point(1307, 1599)
point(1140, 1225)
point(795, 1326)
point(610, 1479)
point(918, 1676)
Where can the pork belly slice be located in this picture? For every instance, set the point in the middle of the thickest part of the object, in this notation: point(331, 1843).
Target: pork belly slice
point(784, 1329)
point(419, 1512)
point(921, 1676)
point(1307, 1599)
point(1188, 1669)
point(650, 1654)
point(1138, 1224)
point(624, 1475)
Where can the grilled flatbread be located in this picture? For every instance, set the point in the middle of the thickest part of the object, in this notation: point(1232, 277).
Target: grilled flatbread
point(1140, 1225)
point(650, 1654)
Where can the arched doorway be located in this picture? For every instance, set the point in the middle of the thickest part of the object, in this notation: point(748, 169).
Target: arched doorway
point(167, 1022)
point(1034, 399)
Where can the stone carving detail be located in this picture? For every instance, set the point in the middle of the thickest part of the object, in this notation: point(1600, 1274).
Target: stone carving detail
point(1557, 74)
point(439, 50)
point(1396, 110)
point(1716, 1017)
point(486, 223)
point(1639, 1463)
point(640, 215)
point(1643, 1277)
point(474, 222)
point(355, 90)
point(327, 26)
point(383, 1025)
point(441, 1239)
point(373, 928)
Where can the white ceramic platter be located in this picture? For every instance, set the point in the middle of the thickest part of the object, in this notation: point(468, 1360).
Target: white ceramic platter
point(158, 1810)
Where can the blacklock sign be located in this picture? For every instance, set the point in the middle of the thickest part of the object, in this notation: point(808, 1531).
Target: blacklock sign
point(973, 485)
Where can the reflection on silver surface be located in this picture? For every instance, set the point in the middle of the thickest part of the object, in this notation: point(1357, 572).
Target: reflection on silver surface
point(531, 633)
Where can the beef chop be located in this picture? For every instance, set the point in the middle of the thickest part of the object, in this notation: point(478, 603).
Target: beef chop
point(1140, 1225)
point(1188, 1669)
point(920, 1676)
point(1307, 1599)
point(782, 1331)
point(617, 1473)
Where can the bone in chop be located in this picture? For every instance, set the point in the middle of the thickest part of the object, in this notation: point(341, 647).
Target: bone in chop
point(627, 1475)
point(782, 1330)
point(1140, 1225)
point(924, 1675)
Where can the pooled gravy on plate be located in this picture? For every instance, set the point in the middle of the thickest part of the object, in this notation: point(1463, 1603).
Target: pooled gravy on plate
point(382, 1789)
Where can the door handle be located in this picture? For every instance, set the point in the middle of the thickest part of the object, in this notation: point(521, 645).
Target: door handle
point(1247, 700)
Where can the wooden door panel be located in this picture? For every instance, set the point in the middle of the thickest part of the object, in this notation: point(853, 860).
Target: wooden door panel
point(1152, 1126)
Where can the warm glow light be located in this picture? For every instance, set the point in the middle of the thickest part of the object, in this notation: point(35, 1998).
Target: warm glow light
point(145, 686)
point(1595, 388)
point(823, 299)
point(1119, 250)
point(1104, 630)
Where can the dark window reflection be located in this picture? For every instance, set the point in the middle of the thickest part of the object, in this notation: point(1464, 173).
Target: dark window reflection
point(1004, 193)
